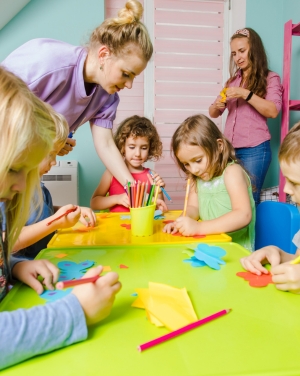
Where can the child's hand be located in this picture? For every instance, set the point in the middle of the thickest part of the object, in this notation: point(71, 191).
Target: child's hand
point(187, 226)
point(170, 228)
point(123, 199)
point(157, 180)
point(87, 217)
point(287, 277)
point(254, 262)
point(28, 271)
point(161, 205)
point(68, 220)
point(97, 298)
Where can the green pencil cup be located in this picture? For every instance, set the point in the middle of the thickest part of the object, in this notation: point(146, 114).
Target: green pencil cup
point(142, 220)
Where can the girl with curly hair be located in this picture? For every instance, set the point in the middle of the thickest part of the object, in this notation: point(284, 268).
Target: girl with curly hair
point(138, 142)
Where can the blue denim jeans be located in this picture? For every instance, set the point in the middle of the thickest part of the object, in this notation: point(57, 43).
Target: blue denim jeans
point(256, 161)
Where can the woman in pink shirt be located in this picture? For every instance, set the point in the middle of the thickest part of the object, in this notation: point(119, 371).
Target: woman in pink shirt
point(253, 94)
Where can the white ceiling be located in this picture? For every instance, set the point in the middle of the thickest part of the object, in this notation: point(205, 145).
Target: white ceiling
point(9, 8)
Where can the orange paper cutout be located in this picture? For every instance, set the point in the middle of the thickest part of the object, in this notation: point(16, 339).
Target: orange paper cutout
point(256, 280)
point(123, 266)
point(61, 255)
point(128, 227)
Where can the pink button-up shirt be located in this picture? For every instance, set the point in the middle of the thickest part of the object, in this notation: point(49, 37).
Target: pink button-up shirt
point(246, 127)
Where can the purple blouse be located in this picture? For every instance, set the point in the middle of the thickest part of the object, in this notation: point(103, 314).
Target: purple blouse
point(53, 70)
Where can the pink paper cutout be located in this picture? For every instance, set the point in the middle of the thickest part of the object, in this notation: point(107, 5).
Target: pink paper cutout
point(128, 227)
point(123, 266)
point(256, 280)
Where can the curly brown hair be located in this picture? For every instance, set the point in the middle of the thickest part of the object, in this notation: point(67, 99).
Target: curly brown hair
point(199, 130)
point(137, 126)
point(257, 78)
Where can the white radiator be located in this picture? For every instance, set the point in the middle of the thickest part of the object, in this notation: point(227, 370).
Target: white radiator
point(62, 182)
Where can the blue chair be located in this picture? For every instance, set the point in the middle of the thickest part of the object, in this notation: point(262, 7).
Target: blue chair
point(276, 224)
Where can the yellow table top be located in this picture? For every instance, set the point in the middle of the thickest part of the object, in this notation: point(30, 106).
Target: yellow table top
point(111, 229)
point(260, 336)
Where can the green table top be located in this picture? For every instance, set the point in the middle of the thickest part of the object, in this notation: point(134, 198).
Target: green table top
point(259, 337)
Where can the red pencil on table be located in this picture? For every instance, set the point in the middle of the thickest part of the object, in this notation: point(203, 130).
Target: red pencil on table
point(66, 213)
point(182, 330)
point(74, 282)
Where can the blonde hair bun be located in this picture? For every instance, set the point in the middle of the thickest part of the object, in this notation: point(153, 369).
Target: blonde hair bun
point(132, 12)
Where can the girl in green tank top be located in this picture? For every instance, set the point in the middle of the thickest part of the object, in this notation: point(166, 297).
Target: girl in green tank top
point(220, 194)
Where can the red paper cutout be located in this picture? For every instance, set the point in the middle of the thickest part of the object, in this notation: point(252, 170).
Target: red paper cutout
point(128, 227)
point(256, 280)
point(123, 266)
point(168, 221)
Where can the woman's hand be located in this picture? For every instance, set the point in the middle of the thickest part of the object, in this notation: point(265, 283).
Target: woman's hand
point(28, 272)
point(69, 145)
point(237, 92)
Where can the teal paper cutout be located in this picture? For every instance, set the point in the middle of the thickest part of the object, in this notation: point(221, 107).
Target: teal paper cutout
point(72, 270)
point(206, 255)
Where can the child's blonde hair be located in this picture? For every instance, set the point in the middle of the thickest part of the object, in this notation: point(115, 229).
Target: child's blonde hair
point(199, 130)
point(289, 149)
point(119, 33)
point(25, 122)
point(137, 126)
point(61, 126)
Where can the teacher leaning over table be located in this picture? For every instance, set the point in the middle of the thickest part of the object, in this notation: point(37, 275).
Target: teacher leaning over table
point(82, 83)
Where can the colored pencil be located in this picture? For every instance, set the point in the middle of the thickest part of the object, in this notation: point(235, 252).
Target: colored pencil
point(137, 197)
point(156, 194)
point(295, 261)
point(162, 188)
point(150, 195)
point(186, 197)
point(66, 213)
point(141, 194)
point(74, 282)
point(182, 330)
point(145, 195)
point(128, 192)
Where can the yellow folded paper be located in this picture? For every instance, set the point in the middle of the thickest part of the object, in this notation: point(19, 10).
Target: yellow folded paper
point(223, 94)
point(167, 305)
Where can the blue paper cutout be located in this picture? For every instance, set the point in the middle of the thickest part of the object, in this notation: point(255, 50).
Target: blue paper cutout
point(125, 217)
point(207, 255)
point(72, 270)
point(53, 295)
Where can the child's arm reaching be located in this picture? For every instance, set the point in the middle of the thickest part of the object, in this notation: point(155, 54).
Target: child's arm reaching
point(101, 201)
point(37, 231)
point(38, 328)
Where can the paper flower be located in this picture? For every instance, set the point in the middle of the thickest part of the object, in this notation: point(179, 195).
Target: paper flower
point(72, 270)
point(207, 255)
point(256, 280)
point(53, 295)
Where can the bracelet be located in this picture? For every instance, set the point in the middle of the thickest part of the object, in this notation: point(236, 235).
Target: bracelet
point(249, 96)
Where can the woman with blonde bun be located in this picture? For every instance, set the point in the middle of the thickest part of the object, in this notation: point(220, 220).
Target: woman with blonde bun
point(82, 83)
